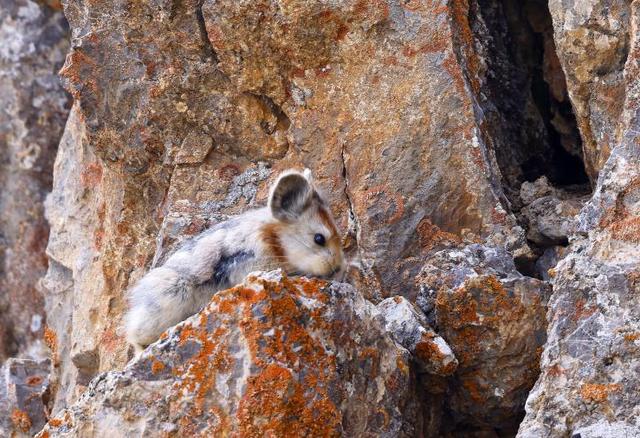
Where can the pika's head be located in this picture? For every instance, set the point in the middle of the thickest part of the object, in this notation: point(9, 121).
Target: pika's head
point(303, 237)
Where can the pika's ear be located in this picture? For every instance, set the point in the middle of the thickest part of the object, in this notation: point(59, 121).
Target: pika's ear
point(290, 196)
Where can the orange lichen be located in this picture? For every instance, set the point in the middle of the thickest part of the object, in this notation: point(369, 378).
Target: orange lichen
point(286, 393)
point(555, 371)
point(463, 36)
point(596, 392)
point(582, 311)
point(453, 68)
point(51, 340)
point(91, 175)
point(632, 337)
point(480, 299)
point(626, 229)
point(157, 366)
point(55, 422)
point(430, 235)
point(275, 405)
point(402, 365)
point(428, 351)
point(619, 220)
point(21, 420)
point(34, 380)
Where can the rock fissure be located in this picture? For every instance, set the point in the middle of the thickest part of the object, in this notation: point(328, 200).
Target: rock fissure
point(210, 52)
point(453, 138)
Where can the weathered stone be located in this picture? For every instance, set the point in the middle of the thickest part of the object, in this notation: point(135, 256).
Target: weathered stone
point(592, 38)
point(272, 357)
point(419, 119)
point(590, 382)
point(33, 108)
point(550, 213)
point(24, 385)
point(408, 327)
point(377, 99)
point(494, 320)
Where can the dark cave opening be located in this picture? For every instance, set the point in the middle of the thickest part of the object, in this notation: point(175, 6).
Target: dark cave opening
point(526, 99)
point(533, 132)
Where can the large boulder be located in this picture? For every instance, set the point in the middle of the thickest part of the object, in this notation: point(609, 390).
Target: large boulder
point(593, 41)
point(272, 357)
point(590, 382)
point(493, 318)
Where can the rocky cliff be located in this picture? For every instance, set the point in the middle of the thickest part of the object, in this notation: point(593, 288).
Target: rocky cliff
point(481, 158)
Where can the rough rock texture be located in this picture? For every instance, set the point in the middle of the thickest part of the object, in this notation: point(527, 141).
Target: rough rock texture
point(421, 120)
point(593, 41)
point(33, 107)
point(590, 381)
point(494, 320)
point(408, 327)
point(550, 213)
point(271, 357)
point(24, 386)
point(183, 115)
point(590, 365)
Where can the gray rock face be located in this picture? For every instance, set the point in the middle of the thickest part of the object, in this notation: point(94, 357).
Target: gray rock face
point(494, 320)
point(33, 108)
point(24, 386)
point(408, 327)
point(550, 213)
point(439, 130)
point(590, 382)
point(271, 357)
point(593, 40)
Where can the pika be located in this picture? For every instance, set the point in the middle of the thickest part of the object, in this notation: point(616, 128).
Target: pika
point(295, 232)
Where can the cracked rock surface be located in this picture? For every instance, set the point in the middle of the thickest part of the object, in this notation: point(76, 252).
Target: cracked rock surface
point(456, 141)
point(272, 357)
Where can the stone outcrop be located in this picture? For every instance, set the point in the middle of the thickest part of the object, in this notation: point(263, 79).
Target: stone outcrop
point(166, 139)
point(34, 39)
point(589, 382)
point(272, 357)
point(493, 318)
point(458, 143)
point(593, 40)
point(408, 326)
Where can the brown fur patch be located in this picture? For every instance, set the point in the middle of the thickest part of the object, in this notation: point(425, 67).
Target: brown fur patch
point(271, 237)
point(326, 219)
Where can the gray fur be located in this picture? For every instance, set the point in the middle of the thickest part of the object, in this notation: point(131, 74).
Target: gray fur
point(223, 255)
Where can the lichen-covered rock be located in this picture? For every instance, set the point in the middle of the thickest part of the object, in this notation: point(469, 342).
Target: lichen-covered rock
point(590, 382)
point(33, 109)
point(592, 38)
point(494, 320)
point(408, 327)
point(272, 357)
point(24, 386)
point(183, 114)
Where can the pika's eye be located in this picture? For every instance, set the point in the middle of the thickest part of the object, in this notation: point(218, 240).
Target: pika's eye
point(319, 239)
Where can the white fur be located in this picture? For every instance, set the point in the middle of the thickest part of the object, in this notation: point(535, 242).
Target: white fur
point(172, 292)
